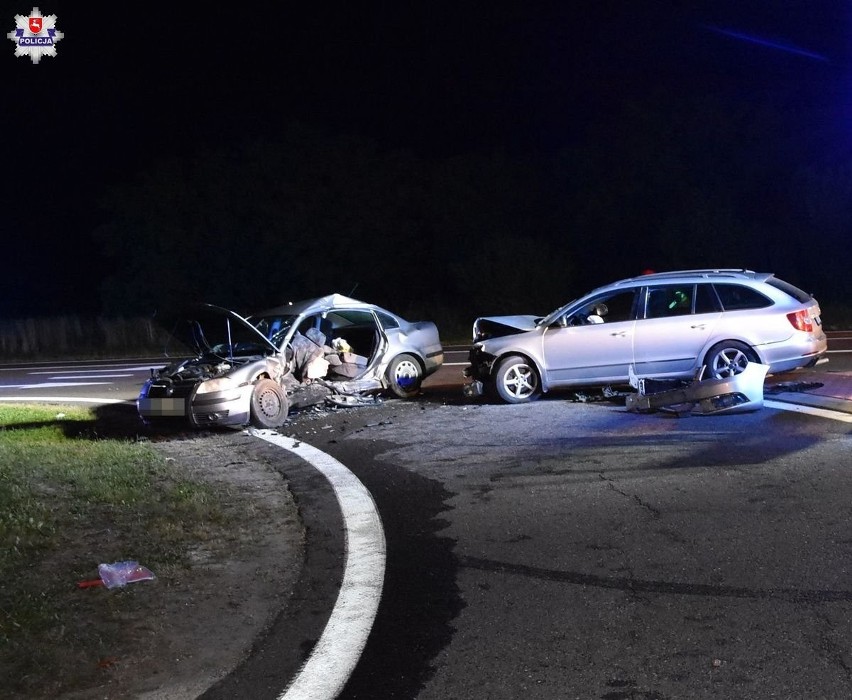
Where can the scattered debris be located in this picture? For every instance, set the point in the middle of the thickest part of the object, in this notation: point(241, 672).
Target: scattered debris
point(788, 387)
point(741, 392)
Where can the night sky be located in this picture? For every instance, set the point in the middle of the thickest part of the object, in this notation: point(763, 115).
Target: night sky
point(132, 82)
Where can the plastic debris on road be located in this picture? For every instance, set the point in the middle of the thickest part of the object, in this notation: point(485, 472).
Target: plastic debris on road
point(119, 574)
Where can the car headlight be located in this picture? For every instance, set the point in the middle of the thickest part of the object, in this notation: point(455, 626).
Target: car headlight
point(220, 384)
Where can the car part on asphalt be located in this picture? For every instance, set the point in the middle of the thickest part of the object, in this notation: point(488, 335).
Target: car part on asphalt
point(734, 394)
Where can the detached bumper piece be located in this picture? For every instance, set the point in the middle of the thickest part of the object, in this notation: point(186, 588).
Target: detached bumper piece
point(474, 389)
point(738, 394)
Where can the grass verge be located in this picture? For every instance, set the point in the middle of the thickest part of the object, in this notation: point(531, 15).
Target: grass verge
point(70, 500)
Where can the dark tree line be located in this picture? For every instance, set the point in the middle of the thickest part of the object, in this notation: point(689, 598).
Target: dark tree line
point(260, 223)
point(263, 223)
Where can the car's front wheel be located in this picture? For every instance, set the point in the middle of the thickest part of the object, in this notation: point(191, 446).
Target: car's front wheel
point(727, 359)
point(404, 376)
point(516, 380)
point(269, 406)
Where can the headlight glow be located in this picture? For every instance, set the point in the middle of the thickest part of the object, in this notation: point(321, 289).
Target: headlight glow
point(220, 384)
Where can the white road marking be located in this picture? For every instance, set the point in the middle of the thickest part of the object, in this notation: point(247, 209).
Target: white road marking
point(49, 369)
point(64, 399)
point(333, 659)
point(811, 410)
point(94, 376)
point(51, 385)
point(100, 368)
point(113, 368)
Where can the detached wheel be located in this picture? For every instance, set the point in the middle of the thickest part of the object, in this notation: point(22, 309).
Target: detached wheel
point(516, 380)
point(404, 376)
point(269, 405)
point(728, 359)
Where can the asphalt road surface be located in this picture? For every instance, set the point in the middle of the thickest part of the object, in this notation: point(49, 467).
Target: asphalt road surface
point(571, 549)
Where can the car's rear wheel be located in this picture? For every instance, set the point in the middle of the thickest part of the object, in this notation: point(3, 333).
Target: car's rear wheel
point(404, 376)
point(516, 380)
point(269, 406)
point(727, 359)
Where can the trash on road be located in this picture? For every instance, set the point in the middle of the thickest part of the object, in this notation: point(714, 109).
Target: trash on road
point(119, 574)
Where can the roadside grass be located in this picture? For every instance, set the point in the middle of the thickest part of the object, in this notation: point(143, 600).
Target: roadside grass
point(70, 500)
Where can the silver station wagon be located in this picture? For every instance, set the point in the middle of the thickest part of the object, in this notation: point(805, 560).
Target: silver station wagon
point(663, 325)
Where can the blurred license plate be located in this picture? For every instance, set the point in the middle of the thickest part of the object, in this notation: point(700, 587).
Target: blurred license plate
point(162, 407)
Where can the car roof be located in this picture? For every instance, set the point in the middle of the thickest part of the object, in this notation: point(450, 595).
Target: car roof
point(695, 275)
point(295, 308)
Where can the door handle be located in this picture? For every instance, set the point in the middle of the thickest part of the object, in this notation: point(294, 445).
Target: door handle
point(699, 326)
point(618, 334)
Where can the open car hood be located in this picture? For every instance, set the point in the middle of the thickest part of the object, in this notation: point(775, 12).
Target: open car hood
point(209, 329)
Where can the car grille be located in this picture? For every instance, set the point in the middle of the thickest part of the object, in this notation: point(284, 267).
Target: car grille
point(176, 390)
point(205, 418)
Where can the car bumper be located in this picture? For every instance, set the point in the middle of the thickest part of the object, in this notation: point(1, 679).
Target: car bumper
point(226, 408)
point(742, 392)
point(432, 362)
point(806, 352)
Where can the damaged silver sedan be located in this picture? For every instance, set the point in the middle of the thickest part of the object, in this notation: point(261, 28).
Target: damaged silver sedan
point(252, 370)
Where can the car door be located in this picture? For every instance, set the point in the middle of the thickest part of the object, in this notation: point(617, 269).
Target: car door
point(675, 322)
point(587, 347)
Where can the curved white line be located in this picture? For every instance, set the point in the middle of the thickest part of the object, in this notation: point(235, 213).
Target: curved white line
point(335, 655)
point(799, 408)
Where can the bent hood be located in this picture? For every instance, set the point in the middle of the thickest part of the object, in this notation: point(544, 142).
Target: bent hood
point(205, 328)
point(497, 326)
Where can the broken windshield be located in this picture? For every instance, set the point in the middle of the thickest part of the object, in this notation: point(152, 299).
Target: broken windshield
point(274, 327)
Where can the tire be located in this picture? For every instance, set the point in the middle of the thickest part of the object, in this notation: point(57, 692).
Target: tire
point(516, 380)
point(269, 406)
point(727, 359)
point(404, 376)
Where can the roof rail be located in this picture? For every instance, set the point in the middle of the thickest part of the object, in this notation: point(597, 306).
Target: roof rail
point(709, 272)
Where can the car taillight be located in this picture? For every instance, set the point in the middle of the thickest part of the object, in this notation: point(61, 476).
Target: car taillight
point(801, 320)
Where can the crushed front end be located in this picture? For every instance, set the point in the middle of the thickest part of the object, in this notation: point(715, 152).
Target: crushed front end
point(205, 393)
point(481, 364)
point(200, 392)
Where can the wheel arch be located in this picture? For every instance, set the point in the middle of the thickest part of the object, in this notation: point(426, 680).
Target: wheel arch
point(744, 341)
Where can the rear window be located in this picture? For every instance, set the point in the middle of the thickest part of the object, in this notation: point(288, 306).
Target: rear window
point(798, 294)
point(735, 297)
point(387, 321)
